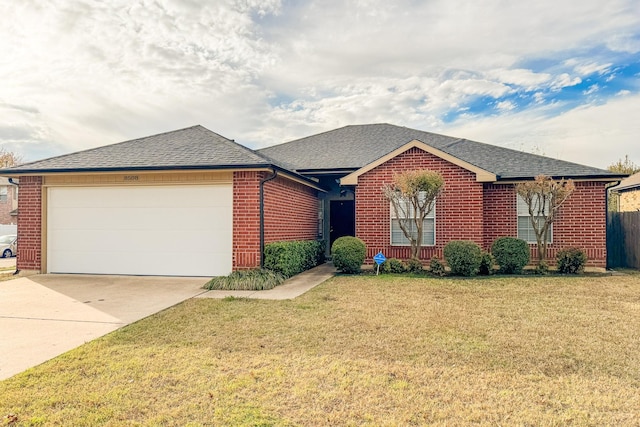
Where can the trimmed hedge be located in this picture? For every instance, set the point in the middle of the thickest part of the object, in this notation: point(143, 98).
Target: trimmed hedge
point(511, 254)
point(463, 257)
point(348, 254)
point(571, 260)
point(293, 257)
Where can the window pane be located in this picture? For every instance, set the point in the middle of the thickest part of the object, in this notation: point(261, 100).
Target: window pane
point(406, 209)
point(398, 238)
point(526, 232)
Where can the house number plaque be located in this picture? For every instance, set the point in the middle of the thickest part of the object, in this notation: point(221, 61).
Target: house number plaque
point(131, 177)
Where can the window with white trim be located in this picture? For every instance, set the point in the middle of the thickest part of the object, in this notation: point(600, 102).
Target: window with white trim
point(525, 228)
point(428, 229)
point(3, 194)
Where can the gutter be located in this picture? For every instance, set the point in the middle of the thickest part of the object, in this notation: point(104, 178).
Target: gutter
point(11, 181)
point(273, 176)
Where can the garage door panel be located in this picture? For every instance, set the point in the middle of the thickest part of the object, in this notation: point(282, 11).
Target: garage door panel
point(160, 230)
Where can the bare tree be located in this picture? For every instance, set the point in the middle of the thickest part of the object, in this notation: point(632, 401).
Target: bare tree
point(412, 195)
point(543, 197)
point(9, 158)
point(624, 166)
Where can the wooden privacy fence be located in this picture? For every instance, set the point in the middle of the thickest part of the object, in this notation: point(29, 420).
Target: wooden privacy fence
point(623, 239)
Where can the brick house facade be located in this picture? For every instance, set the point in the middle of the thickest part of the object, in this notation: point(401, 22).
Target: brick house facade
point(288, 191)
point(290, 213)
point(480, 212)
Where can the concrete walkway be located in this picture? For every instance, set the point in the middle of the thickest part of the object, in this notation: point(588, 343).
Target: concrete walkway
point(291, 288)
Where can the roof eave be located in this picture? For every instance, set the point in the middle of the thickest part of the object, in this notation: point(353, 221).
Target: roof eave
point(262, 166)
point(602, 178)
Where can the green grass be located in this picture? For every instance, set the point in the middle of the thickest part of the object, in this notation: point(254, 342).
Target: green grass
point(361, 351)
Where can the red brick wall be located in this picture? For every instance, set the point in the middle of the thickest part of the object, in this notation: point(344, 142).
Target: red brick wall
point(30, 223)
point(582, 220)
point(500, 213)
point(246, 219)
point(458, 208)
point(291, 213)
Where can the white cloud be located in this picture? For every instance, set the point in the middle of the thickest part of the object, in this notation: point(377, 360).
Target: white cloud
point(527, 79)
point(505, 106)
point(565, 80)
point(79, 73)
point(584, 69)
point(595, 135)
point(592, 89)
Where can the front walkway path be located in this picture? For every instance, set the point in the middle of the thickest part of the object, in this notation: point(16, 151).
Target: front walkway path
point(291, 288)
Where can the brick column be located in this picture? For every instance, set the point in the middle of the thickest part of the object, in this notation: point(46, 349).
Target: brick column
point(29, 256)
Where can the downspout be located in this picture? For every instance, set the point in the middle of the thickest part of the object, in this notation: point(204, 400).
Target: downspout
point(607, 190)
point(273, 175)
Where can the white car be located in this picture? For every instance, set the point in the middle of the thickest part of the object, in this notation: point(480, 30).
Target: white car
point(8, 245)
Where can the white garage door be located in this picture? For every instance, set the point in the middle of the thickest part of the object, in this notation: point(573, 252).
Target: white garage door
point(154, 230)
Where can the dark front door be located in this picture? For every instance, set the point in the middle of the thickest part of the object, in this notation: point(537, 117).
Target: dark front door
point(342, 219)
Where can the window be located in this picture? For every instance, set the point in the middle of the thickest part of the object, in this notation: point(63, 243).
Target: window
point(428, 229)
point(3, 194)
point(525, 229)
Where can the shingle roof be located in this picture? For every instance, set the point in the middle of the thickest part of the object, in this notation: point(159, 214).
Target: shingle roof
point(629, 183)
point(352, 147)
point(192, 148)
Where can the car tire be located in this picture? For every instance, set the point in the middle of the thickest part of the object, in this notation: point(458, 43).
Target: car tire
point(7, 253)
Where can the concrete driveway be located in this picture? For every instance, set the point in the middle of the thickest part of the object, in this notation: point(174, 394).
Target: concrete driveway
point(46, 315)
point(8, 263)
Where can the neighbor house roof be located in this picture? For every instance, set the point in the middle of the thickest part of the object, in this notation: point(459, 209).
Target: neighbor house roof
point(352, 147)
point(192, 148)
point(630, 183)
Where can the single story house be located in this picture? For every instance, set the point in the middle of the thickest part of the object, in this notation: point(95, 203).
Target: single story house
point(191, 202)
point(628, 193)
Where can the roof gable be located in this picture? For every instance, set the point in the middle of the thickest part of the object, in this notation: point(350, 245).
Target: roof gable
point(481, 174)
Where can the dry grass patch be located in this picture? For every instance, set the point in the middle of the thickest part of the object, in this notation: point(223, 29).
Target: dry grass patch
point(360, 351)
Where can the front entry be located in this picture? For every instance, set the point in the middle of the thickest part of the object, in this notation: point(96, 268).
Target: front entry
point(342, 219)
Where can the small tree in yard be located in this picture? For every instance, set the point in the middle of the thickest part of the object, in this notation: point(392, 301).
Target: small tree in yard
point(543, 197)
point(9, 158)
point(412, 195)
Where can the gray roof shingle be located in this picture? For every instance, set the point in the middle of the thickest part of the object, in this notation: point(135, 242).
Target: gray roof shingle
point(192, 148)
point(353, 147)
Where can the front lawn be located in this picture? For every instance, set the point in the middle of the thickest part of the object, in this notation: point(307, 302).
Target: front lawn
point(359, 351)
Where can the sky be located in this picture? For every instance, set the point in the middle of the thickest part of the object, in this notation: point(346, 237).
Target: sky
point(554, 77)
